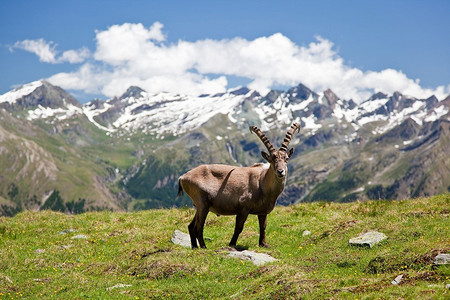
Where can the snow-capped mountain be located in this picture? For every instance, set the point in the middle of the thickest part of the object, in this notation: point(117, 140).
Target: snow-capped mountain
point(388, 146)
point(166, 113)
point(137, 111)
point(39, 94)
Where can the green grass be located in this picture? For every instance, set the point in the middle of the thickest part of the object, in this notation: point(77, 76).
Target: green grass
point(134, 249)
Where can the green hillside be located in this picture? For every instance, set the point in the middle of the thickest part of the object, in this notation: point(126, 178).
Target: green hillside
point(113, 255)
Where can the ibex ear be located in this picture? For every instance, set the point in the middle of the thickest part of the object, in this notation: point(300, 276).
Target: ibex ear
point(290, 152)
point(266, 156)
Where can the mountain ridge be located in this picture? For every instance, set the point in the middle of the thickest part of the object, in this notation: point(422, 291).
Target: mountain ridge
point(134, 146)
point(298, 103)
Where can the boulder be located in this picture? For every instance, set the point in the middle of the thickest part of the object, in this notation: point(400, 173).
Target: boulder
point(182, 239)
point(442, 259)
point(370, 239)
point(256, 258)
point(397, 280)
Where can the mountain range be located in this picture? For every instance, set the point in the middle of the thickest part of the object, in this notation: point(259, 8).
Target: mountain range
point(126, 153)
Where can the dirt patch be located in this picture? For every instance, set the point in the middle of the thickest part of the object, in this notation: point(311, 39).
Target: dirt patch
point(110, 269)
point(142, 253)
point(160, 270)
point(365, 287)
point(391, 264)
point(380, 265)
point(259, 272)
point(287, 225)
point(341, 227)
point(424, 276)
point(417, 214)
point(212, 221)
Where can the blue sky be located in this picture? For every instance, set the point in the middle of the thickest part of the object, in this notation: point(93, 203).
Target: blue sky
point(98, 48)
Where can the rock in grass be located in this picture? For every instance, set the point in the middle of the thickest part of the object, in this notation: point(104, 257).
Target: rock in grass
point(442, 259)
point(397, 280)
point(117, 286)
point(370, 239)
point(181, 238)
point(67, 231)
point(306, 233)
point(79, 237)
point(256, 258)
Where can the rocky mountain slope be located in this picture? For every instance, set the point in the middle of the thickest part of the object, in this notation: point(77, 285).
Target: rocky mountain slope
point(127, 152)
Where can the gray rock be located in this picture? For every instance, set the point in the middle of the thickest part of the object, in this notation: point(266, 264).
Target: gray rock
point(180, 238)
point(442, 259)
point(67, 231)
point(41, 279)
point(79, 237)
point(117, 286)
point(397, 280)
point(370, 239)
point(256, 258)
point(39, 251)
point(306, 233)
point(447, 286)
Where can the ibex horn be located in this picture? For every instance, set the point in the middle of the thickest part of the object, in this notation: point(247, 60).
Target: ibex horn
point(294, 127)
point(263, 138)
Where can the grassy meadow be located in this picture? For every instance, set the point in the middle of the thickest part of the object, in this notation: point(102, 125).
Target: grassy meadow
point(106, 255)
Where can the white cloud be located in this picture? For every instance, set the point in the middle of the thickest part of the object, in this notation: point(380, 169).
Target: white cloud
point(75, 56)
point(46, 51)
point(131, 54)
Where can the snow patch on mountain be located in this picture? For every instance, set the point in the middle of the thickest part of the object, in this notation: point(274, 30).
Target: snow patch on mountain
point(24, 90)
point(90, 110)
point(311, 123)
point(175, 114)
point(437, 113)
point(342, 112)
point(58, 113)
point(371, 105)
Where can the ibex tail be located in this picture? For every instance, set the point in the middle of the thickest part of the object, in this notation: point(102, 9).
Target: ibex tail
point(180, 189)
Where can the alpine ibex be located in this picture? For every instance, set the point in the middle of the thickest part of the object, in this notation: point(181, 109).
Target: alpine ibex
point(240, 191)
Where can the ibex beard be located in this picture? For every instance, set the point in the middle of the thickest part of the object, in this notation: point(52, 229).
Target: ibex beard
point(240, 191)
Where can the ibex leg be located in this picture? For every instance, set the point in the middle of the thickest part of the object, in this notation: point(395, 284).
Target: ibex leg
point(192, 233)
point(262, 230)
point(240, 220)
point(199, 224)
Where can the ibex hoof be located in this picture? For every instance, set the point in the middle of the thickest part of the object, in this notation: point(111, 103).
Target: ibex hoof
point(264, 245)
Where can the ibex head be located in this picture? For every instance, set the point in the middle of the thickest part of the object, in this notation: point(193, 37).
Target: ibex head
point(277, 158)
